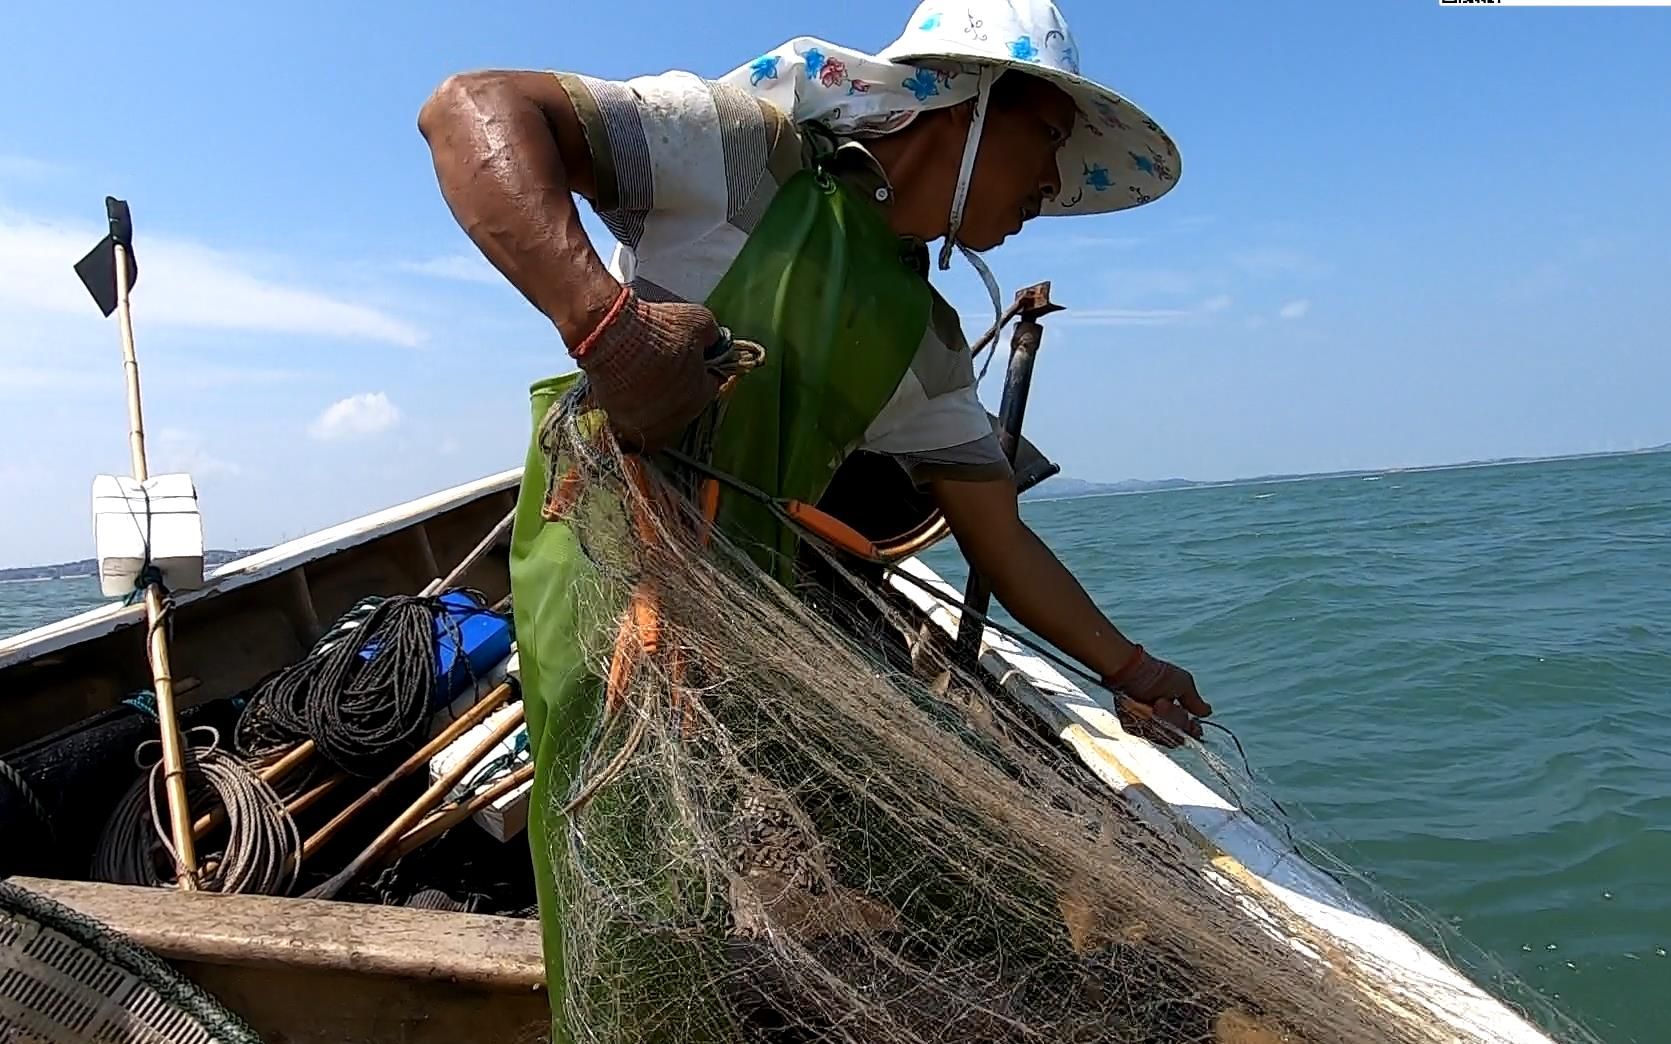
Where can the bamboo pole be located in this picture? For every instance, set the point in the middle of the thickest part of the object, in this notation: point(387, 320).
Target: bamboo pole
point(281, 768)
point(447, 818)
point(173, 759)
point(477, 553)
point(420, 808)
point(466, 721)
point(302, 802)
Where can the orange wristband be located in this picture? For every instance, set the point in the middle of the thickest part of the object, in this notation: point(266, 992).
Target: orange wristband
point(610, 316)
point(1133, 660)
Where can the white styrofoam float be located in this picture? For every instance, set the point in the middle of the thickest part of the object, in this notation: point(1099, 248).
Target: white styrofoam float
point(156, 522)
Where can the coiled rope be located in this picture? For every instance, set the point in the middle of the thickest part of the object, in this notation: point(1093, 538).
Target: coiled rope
point(262, 851)
point(363, 694)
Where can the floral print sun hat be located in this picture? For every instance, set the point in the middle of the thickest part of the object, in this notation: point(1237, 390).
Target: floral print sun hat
point(949, 53)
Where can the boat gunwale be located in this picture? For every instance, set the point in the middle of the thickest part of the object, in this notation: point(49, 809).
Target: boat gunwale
point(254, 568)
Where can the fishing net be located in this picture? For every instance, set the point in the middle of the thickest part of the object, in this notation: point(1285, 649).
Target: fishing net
point(797, 817)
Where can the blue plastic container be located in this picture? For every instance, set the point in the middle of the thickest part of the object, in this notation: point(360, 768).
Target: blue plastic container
point(485, 638)
point(470, 640)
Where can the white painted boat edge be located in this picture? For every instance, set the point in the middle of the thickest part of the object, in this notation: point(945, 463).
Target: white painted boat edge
point(263, 564)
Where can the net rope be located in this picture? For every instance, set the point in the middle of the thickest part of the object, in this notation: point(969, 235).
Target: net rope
point(798, 818)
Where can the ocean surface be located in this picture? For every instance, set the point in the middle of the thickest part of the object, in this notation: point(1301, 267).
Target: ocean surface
point(1458, 681)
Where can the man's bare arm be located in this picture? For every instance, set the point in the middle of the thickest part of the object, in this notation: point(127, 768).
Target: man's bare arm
point(1038, 590)
point(1026, 576)
point(509, 153)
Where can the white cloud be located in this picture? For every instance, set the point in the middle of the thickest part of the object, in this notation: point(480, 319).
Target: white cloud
point(181, 283)
point(367, 413)
point(1295, 309)
point(1216, 304)
point(466, 268)
point(175, 450)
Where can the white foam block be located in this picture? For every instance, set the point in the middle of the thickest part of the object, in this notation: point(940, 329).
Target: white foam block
point(156, 519)
point(508, 816)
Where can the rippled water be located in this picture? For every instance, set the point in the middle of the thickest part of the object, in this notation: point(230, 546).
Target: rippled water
point(31, 603)
point(1460, 676)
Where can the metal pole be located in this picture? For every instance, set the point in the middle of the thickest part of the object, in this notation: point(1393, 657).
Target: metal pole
point(173, 760)
point(1031, 305)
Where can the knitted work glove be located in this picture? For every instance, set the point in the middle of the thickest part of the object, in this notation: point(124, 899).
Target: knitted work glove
point(1166, 692)
point(647, 366)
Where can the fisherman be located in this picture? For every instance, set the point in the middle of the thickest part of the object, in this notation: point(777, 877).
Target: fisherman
point(970, 125)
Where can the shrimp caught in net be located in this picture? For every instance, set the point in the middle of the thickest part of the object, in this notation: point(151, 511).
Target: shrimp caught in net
point(788, 825)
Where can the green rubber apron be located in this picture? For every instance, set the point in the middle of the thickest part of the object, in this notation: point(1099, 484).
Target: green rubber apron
point(823, 285)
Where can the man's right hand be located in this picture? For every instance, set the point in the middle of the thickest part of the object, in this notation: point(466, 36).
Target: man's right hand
point(509, 153)
point(645, 362)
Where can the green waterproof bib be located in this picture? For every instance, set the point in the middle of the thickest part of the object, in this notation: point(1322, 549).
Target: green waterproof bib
point(821, 283)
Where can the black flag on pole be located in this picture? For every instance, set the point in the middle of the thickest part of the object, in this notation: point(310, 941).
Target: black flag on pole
point(98, 269)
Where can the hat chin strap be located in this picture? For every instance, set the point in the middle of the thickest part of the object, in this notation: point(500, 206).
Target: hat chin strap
point(960, 195)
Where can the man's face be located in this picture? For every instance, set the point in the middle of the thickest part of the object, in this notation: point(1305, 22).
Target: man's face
point(1016, 169)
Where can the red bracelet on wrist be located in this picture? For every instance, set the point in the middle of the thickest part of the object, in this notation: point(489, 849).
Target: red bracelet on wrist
point(610, 316)
point(1133, 660)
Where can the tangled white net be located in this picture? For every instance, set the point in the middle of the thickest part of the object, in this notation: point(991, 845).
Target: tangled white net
point(799, 818)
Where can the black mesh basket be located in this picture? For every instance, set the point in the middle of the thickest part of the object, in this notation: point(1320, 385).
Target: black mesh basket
point(67, 979)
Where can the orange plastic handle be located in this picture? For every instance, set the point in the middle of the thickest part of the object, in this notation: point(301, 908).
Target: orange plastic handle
point(825, 525)
point(710, 510)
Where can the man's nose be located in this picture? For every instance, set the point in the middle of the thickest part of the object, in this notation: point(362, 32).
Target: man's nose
point(1050, 185)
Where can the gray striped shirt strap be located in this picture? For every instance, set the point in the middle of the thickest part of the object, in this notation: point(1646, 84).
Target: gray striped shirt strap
point(758, 149)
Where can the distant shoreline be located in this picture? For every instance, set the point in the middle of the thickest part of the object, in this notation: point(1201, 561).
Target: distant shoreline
point(88, 569)
point(1134, 487)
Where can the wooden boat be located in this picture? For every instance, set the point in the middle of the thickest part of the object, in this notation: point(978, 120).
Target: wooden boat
point(369, 973)
point(306, 971)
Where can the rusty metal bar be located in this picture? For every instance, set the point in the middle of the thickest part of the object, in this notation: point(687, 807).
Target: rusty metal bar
point(1031, 305)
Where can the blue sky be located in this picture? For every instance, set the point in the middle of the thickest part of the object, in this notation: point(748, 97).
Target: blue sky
point(1404, 234)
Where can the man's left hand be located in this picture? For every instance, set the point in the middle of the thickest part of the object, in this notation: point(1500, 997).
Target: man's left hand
point(1168, 703)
